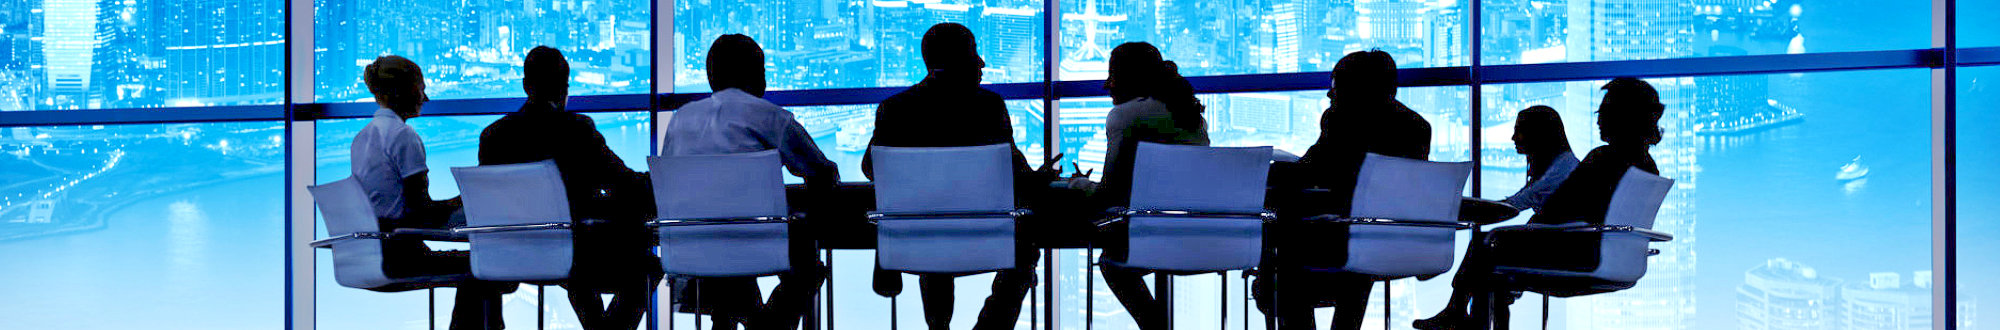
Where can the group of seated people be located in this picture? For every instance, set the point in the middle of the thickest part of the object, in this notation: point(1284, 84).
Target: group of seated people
point(949, 108)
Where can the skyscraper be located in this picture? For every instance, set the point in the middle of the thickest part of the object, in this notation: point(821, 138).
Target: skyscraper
point(69, 38)
point(1885, 302)
point(1781, 294)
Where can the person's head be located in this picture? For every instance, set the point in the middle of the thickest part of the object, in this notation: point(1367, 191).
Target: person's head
point(545, 76)
point(398, 84)
point(1538, 131)
point(1136, 71)
point(736, 61)
point(1630, 113)
point(1364, 78)
point(952, 55)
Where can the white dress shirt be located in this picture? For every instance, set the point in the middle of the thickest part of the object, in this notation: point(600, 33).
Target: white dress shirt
point(384, 153)
point(732, 121)
point(1532, 195)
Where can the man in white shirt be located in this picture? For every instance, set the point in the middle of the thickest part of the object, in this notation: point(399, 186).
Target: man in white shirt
point(736, 119)
point(388, 162)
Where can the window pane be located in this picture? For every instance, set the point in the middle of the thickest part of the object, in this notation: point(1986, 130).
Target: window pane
point(1544, 31)
point(846, 44)
point(1812, 202)
point(88, 54)
point(1264, 36)
point(1288, 121)
point(178, 224)
point(450, 141)
point(1978, 201)
point(473, 49)
point(1974, 29)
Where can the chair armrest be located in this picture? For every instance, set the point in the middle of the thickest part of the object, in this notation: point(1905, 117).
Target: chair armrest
point(327, 243)
point(1579, 227)
point(513, 228)
point(1123, 215)
point(718, 221)
point(874, 217)
point(1111, 216)
point(441, 235)
point(1392, 222)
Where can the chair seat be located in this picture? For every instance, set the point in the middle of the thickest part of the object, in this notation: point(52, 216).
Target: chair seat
point(1557, 283)
point(413, 283)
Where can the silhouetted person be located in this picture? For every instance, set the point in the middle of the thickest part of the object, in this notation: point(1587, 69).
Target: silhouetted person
point(949, 109)
point(612, 256)
point(389, 163)
point(1154, 104)
point(1365, 118)
point(1628, 121)
point(1538, 135)
point(736, 119)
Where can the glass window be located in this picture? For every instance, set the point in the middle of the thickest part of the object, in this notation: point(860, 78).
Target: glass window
point(845, 44)
point(177, 224)
point(1263, 36)
point(1544, 31)
point(450, 141)
point(1288, 121)
point(1978, 202)
point(473, 49)
point(1801, 203)
point(1973, 29)
point(88, 54)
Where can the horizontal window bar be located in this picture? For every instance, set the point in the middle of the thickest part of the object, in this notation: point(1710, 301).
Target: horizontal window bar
point(495, 106)
point(1979, 56)
point(141, 115)
point(1280, 82)
point(851, 96)
point(1710, 66)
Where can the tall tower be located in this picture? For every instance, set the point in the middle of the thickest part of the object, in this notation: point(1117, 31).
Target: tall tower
point(70, 43)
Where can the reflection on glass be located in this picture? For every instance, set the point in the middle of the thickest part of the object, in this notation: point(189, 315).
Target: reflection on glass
point(1812, 201)
point(1543, 31)
point(473, 49)
point(450, 141)
point(90, 54)
point(846, 44)
point(1978, 202)
point(1262, 36)
point(176, 224)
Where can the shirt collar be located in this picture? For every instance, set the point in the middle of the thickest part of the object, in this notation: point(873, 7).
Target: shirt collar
point(388, 114)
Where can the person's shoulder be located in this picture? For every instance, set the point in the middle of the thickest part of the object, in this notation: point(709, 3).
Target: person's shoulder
point(985, 94)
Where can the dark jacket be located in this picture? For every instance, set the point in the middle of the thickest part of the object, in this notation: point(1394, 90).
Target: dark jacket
point(1346, 138)
point(541, 132)
point(931, 116)
point(1586, 195)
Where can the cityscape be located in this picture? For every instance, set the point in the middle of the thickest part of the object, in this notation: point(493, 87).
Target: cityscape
point(1841, 172)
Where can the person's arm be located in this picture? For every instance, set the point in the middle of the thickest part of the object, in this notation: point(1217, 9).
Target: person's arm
point(801, 155)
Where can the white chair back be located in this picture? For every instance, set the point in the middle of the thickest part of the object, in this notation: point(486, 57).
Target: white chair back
point(517, 194)
point(1404, 189)
point(742, 185)
point(357, 263)
point(1200, 179)
point(1635, 202)
point(944, 180)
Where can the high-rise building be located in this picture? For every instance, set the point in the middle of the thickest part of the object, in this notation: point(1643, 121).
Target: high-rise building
point(1886, 302)
point(1781, 294)
point(234, 55)
point(1012, 38)
point(69, 36)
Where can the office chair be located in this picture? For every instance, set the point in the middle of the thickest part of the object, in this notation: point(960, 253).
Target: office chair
point(358, 242)
point(721, 216)
point(1622, 245)
point(945, 210)
point(1402, 222)
point(1194, 210)
point(518, 219)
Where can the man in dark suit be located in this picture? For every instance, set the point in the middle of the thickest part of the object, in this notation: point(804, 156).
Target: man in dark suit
point(612, 253)
point(949, 109)
point(1365, 118)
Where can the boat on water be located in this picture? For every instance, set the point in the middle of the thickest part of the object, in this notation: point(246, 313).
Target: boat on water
point(1854, 170)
